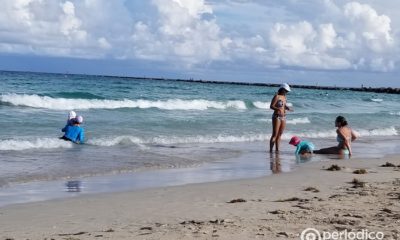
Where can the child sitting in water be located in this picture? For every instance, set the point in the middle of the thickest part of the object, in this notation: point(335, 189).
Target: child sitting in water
point(74, 132)
point(302, 147)
point(70, 120)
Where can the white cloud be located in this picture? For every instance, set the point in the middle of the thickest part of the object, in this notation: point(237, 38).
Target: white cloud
point(326, 35)
point(358, 38)
point(302, 45)
point(292, 39)
point(70, 25)
point(103, 43)
point(52, 28)
point(373, 29)
point(181, 32)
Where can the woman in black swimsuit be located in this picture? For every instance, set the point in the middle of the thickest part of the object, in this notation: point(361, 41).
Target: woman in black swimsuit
point(278, 104)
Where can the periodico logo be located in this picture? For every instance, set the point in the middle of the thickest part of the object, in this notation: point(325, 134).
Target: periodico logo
point(310, 234)
point(314, 234)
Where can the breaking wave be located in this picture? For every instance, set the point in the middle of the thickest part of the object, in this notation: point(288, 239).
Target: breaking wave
point(39, 143)
point(36, 101)
point(53, 143)
point(294, 121)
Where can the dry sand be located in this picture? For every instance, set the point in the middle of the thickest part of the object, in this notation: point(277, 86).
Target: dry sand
point(273, 207)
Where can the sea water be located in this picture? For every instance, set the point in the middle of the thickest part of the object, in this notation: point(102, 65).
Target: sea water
point(140, 124)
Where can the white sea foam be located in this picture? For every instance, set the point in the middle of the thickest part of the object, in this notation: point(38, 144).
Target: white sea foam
point(268, 120)
point(168, 140)
point(376, 99)
point(261, 105)
point(53, 143)
point(391, 131)
point(39, 143)
point(310, 134)
point(36, 101)
point(119, 140)
point(294, 121)
point(395, 113)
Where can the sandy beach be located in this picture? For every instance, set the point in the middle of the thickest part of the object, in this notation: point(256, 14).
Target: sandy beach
point(280, 206)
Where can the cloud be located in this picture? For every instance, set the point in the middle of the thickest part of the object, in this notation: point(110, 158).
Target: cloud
point(59, 28)
point(357, 39)
point(373, 29)
point(318, 35)
point(302, 45)
point(70, 25)
point(186, 30)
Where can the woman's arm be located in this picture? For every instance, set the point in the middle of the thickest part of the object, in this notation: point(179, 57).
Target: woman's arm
point(288, 108)
point(353, 135)
point(347, 145)
point(273, 103)
point(346, 141)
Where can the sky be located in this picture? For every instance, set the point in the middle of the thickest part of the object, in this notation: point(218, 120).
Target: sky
point(310, 42)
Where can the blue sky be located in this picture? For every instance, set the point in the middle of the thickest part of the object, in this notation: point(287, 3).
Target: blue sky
point(324, 42)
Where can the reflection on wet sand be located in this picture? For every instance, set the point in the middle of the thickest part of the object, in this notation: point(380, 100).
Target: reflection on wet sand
point(303, 158)
point(275, 163)
point(285, 162)
point(74, 186)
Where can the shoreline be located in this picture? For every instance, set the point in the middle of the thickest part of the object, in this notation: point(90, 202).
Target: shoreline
point(388, 90)
point(271, 207)
point(252, 162)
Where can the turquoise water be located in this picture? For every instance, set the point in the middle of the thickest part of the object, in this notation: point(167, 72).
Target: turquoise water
point(136, 124)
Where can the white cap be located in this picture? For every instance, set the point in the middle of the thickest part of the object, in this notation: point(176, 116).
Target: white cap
point(286, 87)
point(79, 119)
point(71, 115)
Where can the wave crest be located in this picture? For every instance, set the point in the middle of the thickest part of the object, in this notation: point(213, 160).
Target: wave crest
point(36, 101)
point(53, 143)
point(294, 121)
point(170, 140)
point(39, 143)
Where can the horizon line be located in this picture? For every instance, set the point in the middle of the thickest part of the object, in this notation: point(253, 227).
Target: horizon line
point(393, 90)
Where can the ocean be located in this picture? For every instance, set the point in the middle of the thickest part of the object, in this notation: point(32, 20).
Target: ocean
point(136, 125)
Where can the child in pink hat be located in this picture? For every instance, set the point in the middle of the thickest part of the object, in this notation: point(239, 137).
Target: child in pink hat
point(302, 147)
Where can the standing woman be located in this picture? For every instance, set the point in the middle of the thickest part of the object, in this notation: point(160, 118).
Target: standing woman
point(278, 104)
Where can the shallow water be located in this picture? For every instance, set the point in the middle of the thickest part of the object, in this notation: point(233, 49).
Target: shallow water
point(251, 161)
point(135, 125)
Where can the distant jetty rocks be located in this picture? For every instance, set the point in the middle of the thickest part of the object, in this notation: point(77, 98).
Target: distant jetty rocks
point(360, 89)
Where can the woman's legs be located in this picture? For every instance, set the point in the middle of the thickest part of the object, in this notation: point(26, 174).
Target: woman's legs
point(330, 150)
point(276, 124)
point(280, 132)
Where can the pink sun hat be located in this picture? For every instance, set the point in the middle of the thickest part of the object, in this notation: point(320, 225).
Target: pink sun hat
point(295, 140)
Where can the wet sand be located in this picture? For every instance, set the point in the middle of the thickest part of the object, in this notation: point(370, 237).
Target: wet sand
point(280, 206)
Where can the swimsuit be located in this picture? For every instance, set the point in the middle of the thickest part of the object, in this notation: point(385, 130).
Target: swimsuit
point(345, 151)
point(279, 104)
point(341, 141)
